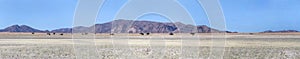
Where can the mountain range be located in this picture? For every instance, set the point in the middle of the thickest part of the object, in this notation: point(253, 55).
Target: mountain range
point(122, 26)
point(127, 26)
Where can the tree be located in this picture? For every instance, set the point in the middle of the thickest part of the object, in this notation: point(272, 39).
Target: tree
point(141, 33)
point(171, 33)
point(48, 33)
point(192, 33)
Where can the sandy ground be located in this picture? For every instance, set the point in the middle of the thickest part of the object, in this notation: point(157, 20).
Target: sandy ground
point(154, 46)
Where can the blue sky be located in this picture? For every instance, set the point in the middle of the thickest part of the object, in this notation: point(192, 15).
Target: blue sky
point(240, 15)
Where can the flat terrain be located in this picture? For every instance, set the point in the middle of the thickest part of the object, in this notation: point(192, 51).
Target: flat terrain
point(153, 46)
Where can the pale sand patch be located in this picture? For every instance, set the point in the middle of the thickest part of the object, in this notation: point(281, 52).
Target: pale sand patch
point(163, 39)
point(229, 43)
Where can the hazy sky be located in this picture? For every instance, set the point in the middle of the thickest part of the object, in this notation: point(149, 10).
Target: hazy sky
point(240, 15)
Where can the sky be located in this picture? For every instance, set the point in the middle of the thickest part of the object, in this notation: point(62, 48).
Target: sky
point(240, 15)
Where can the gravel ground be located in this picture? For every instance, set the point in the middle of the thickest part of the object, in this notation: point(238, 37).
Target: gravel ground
point(67, 52)
point(271, 46)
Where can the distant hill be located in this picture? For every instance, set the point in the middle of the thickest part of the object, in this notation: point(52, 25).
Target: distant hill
point(63, 30)
point(20, 28)
point(280, 31)
point(123, 26)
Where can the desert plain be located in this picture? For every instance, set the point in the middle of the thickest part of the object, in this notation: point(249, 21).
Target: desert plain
point(153, 46)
